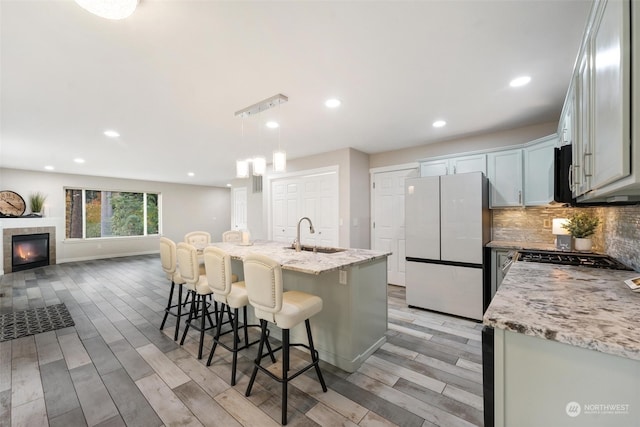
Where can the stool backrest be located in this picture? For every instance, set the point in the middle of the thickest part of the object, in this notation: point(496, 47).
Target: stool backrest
point(263, 281)
point(168, 256)
point(217, 265)
point(188, 264)
point(233, 236)
point(198, 238)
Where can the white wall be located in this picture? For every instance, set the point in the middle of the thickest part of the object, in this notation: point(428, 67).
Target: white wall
point(184, 208)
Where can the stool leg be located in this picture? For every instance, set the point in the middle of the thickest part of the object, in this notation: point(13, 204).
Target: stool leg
point(234, 363)
point(246, 332)
point(314, 356)
point(217, 337)
point(205, 314)
point(285, 371)
point(188, 322)
point(263, 337)
point(175, 335)
point(166, 310)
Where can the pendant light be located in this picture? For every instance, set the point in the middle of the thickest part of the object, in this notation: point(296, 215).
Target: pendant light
point(259, 163)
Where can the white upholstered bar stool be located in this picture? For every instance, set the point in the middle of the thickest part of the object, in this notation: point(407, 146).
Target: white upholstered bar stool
point(197, 284)
point(168, 260)
point(263, 281)
point(199, 239)
point(231, 295)
point(232, 236)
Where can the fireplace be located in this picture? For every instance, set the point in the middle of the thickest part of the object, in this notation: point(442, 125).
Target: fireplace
point(8, 235)
point(29, 251)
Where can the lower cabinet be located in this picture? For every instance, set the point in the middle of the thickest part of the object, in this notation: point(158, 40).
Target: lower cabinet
point(501, 260)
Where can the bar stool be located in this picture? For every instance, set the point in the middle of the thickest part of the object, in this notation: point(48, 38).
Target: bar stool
point(196, 283)
point(263, 281)
point(170, 267)
point(198, 238)
point(230, 295)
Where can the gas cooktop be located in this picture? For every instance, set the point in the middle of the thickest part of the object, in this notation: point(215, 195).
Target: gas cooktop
point(571, 258)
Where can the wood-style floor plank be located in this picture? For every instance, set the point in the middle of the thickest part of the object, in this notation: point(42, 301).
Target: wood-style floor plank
point(116, 368)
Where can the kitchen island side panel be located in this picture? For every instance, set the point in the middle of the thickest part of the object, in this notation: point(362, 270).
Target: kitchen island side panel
point(353, 320)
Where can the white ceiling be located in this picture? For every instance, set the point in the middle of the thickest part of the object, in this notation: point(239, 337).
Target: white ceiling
point(170, 78)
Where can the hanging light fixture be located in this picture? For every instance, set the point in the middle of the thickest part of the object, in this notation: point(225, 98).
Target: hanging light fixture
point(259, 163)
point(109, 9)
point(242, 169)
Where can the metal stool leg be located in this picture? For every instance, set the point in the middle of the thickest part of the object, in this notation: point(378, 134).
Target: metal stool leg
point(314, 356)
point(263, 337)
point(166, 310)
point(188, 322)
point(285, 372)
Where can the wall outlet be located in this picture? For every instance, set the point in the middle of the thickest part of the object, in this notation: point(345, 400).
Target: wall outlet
point(546, 223)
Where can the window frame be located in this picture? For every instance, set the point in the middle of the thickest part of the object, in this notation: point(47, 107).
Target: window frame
point(84, 214)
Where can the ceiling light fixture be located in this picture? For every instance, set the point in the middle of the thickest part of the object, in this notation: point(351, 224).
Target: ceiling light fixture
point(109, 9)
point(78, 160)
point(279, 156)
point(520, 81)
point(439, 123)
point(111, 133)
point(49, 168)
point(332, 103)
point(191, 174)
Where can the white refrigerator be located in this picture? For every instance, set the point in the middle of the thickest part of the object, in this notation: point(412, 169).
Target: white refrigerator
point(447, 227)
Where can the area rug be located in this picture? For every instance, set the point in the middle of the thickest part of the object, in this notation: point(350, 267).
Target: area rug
point(34, 321)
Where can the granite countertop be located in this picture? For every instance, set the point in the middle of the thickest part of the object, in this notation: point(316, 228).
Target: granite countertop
point(506, 244)
point(304, 262)
point(580, 306)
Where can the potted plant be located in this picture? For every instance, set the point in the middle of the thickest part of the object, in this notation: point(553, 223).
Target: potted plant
point(36, 203)
point(581, 226)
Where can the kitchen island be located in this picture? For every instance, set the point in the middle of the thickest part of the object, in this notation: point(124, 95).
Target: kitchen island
point(567, 347)
point(353, 286)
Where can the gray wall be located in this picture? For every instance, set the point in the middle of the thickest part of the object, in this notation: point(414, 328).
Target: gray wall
point(184, 208)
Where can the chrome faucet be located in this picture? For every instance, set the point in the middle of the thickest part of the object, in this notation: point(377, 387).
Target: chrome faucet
point(296, 243)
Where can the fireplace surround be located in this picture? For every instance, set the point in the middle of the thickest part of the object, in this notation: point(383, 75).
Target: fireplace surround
point(7, 243)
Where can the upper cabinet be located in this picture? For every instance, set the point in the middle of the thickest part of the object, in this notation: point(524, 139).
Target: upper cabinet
point(453, 165)
point(603, 92)
point(538, 171)
point(505, 177)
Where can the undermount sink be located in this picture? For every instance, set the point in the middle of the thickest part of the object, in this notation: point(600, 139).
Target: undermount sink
point(319, 249)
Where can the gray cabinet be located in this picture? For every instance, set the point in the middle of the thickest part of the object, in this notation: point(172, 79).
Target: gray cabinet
point(501, 260)
point(454, 165)
point(505, 176)
point(538, 171)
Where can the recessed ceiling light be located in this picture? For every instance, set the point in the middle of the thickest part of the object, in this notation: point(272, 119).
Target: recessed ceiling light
point(111, 133)
point(272, 125)
point(332, 103)
point(191, 174)
point(78, 160)
point(520, 81)
point(439, 123)
point(49, 168)
point(228, 185)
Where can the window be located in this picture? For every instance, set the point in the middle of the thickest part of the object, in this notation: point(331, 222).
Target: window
point(94, 213)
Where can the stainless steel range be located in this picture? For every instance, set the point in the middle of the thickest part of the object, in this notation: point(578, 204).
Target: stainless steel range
point(571, 258)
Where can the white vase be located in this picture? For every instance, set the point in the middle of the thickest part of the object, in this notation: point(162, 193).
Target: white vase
point(583, 244)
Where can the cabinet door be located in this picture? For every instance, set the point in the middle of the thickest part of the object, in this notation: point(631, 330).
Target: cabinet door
point(475, 163)
point(611, 95)
point(581, 150)
point(501, 261)
point(538, 172)
point(434, 167)
point(505, 178)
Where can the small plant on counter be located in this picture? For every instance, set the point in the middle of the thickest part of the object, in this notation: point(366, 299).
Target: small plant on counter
point(36, 202)
point(581, 225)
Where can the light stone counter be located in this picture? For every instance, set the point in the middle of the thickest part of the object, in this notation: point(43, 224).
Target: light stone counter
point(303, 261)
point(581, 306)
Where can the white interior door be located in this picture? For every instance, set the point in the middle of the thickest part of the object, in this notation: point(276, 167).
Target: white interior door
point(284, 209)
point(388, 232)
point(239, 216)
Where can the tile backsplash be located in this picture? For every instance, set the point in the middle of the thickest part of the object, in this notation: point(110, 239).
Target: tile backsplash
point(617, 235)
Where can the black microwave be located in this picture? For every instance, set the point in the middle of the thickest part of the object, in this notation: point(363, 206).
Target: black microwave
point(562, 172)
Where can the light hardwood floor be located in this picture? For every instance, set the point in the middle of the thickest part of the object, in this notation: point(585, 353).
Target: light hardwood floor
point(116, 368)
